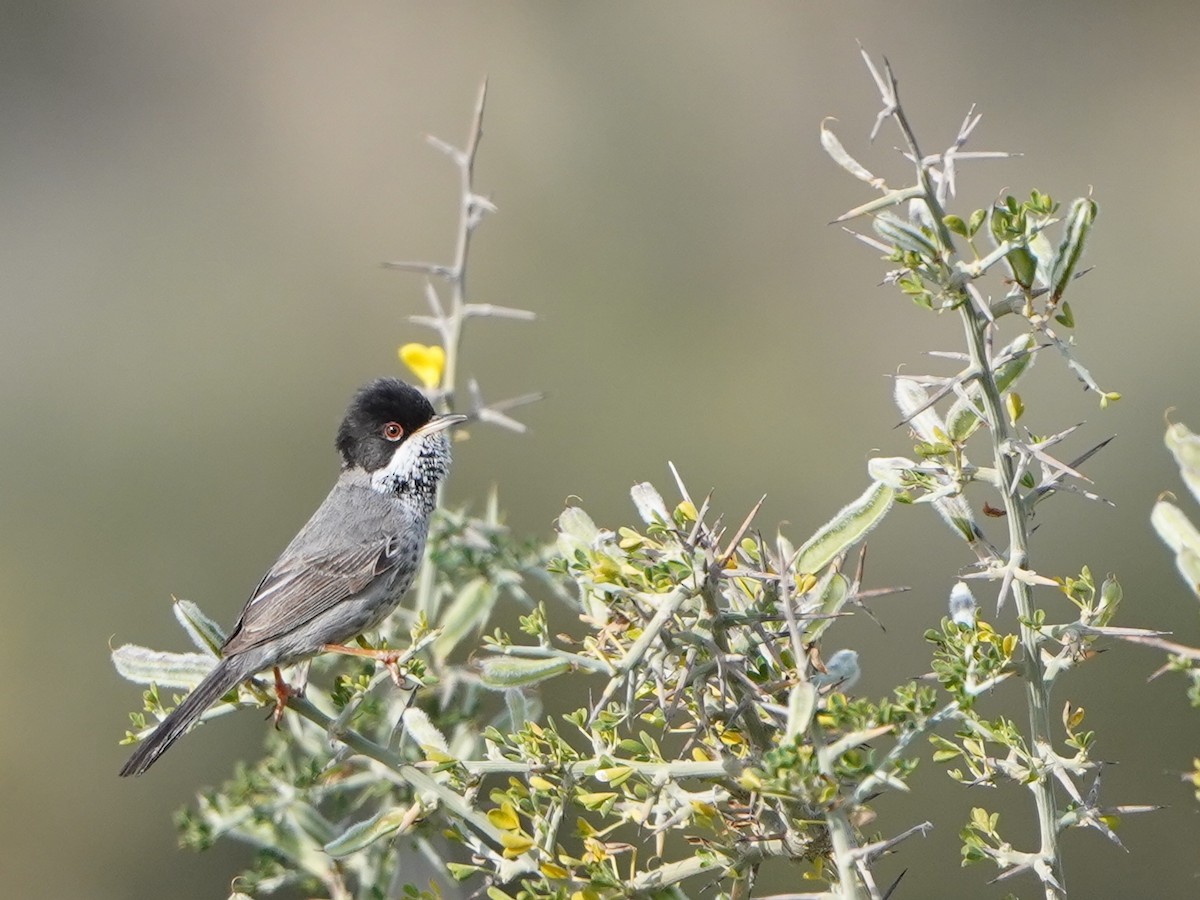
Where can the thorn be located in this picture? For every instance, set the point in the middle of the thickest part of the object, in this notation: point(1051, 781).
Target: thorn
point(683, 492)
point(729, 551)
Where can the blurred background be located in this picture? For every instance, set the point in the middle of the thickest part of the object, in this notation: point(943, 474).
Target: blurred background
point(195, 202)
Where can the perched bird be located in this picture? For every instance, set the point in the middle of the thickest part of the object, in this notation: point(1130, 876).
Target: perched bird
point(348, 568)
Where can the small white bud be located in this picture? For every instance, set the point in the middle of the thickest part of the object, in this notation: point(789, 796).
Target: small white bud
point(649, 504)
point(962, 605)
point(423, 732)
point(841, 671)
point(891, 470)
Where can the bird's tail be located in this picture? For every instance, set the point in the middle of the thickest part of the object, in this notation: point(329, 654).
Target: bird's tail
point(228, 672)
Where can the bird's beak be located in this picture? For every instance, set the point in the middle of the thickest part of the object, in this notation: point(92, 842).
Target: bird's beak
point(439, 423)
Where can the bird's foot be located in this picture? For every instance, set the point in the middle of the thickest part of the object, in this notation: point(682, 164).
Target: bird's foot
point(388, 658)
point(283, 693)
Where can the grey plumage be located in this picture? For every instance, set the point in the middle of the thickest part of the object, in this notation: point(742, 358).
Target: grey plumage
point(313, 596)
point(349, 566)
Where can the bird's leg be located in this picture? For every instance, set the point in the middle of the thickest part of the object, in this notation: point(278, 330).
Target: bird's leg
point(388, 658)
point(283, 693)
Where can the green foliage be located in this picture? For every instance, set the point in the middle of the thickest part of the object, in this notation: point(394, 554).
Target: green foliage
point(719, 734)
point(972, 659)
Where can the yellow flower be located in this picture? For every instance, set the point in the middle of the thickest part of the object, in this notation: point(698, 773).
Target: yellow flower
point(427, 363)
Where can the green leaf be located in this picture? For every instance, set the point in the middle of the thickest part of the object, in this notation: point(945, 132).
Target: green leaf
point(363, 834)
point(1174, 527)
point(613, 775)
point(462, 871)
point(423, 732)
point(142, 665)
point(594, 800)
point(503, 672)
point(576, 531)
point(891, 198)
point(961, 420)
point(307, 820)
point(905, 235)
point(203, 631)
point(838, 154)
point(1184, 445)
point(1079, 222)
point(1023, 265)
point(834, 591)
point(981, 820)
point(975, 221)
point(521, 707)
point(852, 523)
point(1187, 561)
point(1110, 599)
point(1065, 317)
point(802, 703)
point(469, 612)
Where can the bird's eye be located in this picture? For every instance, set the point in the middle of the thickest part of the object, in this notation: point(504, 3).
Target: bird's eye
point(392, 431)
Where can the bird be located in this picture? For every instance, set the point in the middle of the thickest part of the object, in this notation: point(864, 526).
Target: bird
point(349, 567)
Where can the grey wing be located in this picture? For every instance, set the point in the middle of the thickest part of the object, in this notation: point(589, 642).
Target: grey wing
point(299, 588)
